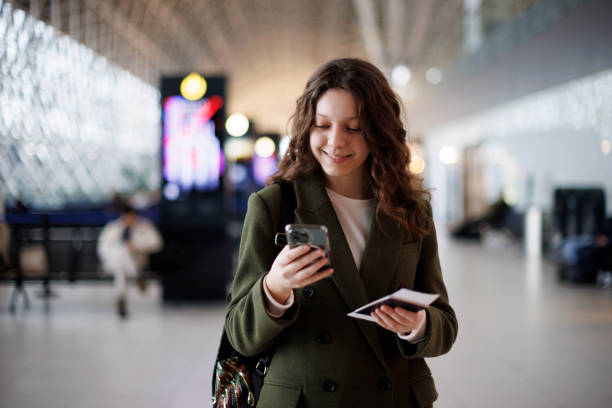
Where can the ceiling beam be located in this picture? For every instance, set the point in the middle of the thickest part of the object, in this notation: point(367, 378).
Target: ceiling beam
point(395, 22)
point(132, 34)
point(55, 14)
point(239, 25)
point(171, 24)
point(74, 19)
point(416, 39)
point(91, 29)
point(368, 22)
point(209, 28)
point(35, 9)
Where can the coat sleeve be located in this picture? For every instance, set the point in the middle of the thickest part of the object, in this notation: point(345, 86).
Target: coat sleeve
point(249, 328)
point(441, 329)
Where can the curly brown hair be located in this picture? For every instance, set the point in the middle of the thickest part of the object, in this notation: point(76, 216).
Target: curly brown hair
point(398, 191)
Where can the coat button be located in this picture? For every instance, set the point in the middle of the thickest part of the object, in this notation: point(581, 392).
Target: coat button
point(308, 292)
point(324, 338)
point(330, 385)
point(384, 384)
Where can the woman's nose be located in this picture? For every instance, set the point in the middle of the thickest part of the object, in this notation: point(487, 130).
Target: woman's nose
point(336, 137)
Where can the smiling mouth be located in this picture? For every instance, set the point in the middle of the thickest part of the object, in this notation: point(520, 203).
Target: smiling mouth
point(337, 158)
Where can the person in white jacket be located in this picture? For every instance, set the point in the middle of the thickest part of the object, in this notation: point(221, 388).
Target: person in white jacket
point(124, 246)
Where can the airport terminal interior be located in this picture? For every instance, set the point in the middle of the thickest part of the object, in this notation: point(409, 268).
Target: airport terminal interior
point(155, 121)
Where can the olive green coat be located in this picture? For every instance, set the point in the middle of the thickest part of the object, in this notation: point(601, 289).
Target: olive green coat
point(321, 357)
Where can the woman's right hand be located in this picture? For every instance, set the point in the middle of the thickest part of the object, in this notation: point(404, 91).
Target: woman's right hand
point(295, 268)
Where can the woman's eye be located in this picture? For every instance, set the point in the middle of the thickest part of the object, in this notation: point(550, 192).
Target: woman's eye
point(353, 129)
point(321, 126)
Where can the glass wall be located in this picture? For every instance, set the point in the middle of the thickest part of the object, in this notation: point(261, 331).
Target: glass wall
point(73, 127)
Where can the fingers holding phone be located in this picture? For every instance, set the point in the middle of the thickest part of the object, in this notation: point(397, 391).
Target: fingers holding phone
point(312, 267)
point(303, 261)
point(297, 267)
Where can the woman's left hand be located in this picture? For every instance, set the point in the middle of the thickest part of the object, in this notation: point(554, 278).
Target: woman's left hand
point(397, 319)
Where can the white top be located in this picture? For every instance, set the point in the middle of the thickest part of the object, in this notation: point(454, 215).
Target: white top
point(355, 217)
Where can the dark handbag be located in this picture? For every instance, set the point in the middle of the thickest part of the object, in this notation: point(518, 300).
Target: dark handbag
point(237, 379)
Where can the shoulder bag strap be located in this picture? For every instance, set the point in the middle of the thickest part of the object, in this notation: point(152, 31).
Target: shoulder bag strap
point(288, 204)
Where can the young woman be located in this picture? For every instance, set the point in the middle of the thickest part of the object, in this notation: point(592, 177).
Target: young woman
point(348, 161)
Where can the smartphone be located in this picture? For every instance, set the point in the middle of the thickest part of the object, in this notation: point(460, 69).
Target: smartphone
point(307, 234)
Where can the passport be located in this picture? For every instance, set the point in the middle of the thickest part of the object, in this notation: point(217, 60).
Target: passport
point(405, 298)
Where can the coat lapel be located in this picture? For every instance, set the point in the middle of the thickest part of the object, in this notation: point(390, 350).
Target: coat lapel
point(314, 207)
point(380, 258)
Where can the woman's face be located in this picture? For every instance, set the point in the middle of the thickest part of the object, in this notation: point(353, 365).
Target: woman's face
point(336, 139)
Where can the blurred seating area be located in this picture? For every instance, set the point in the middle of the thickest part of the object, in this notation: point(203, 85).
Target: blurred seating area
point(583, 236)
point(57, 245)
point(576, 234)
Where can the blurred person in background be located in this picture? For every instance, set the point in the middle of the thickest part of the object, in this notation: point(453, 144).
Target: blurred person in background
point(114, 205)
point(589, 257)
point(495, 217)
point(124, 246)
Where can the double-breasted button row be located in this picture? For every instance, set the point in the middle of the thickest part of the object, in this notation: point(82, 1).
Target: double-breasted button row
point(384, 384)
point(308, 292)
point(330, 385)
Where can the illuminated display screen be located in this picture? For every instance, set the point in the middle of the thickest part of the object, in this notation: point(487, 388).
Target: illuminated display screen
point(192, 158)
point(263, 167)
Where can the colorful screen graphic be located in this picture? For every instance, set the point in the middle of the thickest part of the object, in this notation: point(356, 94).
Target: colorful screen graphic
point(192, 156)
point(263, 167)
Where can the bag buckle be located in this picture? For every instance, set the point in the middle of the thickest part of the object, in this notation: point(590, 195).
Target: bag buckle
point(261, 367)
point(280, 239)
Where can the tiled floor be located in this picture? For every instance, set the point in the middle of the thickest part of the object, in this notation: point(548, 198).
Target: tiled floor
point(525, 340)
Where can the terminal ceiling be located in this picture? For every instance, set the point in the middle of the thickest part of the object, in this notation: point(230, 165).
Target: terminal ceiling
point(268, 48)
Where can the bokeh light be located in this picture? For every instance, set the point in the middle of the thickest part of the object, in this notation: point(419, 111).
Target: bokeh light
point(448, 155)
point(433, 76)
point(237, 124)
point(236, 149)
point(283, 144)
point(401, 75)
point(193, 86)
point(265, 147)
point(417, 164)
point(606, 146)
